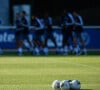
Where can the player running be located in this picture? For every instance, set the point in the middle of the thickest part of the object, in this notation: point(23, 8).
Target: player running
point(38, 33)
point(67, 23)
point(19, 34)
point(1, 51)
point(25, 26)
point(48, 32)
point(77, 34)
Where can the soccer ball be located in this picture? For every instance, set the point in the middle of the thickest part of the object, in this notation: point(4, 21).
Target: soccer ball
point(56, 85)
point(75, 85)
point(65, 85)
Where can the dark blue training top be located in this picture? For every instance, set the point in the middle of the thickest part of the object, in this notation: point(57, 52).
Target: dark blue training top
point(48, 21)
point(18, 25)
point(24, 22)
point(35, 23)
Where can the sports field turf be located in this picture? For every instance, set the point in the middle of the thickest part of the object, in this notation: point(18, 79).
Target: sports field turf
point(38, 73)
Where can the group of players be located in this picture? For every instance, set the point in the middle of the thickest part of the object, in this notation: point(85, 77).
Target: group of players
point(72, 28)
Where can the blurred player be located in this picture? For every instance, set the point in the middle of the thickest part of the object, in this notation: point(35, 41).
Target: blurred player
point(1, 51)
point(19, 34)
point(25, 26)
point(77, 34)
point(67, 23)
point(0, 46)
point(37, 38)
point(48, 32)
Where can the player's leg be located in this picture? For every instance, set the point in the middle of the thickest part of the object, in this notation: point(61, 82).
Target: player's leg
point(70, 29)
point(35, 43)
point(58, 49)
point(71, 42)
point(66, 36)
point(38, 42)
point(84, 50)
point(36, 50)
point(27, 42)
point(82, 43)
point(43, 38)
point(66, 41)
point(54, 40)
point(76, 49)
point(19, 42)
point(17, 38)
point(20, 49)
point(69, 39)
point(45, 49)
point(1, 51)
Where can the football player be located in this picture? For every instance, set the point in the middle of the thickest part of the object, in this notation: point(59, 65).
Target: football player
point(25, 26)
point(77, 34)
point(67, 23)
point(18, 34)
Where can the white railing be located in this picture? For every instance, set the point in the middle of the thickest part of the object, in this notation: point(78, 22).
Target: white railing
point(54, 27)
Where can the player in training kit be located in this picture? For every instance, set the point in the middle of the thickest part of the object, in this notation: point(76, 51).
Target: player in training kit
point(67, 23)
point(38, 32)
point(25, 26)
point(48, 32)
point(1, 51)
point(77, 34)
point(19, 34)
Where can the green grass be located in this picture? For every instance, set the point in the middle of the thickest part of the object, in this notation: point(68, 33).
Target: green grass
point(38, 73)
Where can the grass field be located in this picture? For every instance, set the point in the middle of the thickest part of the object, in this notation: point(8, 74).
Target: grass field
point(38, 73)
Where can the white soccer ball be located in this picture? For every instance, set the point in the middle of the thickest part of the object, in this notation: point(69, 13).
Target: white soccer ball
point(56, 85)
point(75, 85)
point(65, 85)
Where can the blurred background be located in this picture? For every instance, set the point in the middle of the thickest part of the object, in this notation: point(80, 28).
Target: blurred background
point(89, 9)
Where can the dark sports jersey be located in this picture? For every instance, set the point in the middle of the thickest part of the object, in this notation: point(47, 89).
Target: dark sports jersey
point(67, 20)
point(35, 23)
point(24, 22)
point(18, 25)
point(63, 20)
point(25, 27)
point(78, 20)
point(78, 24)
point(48, 21)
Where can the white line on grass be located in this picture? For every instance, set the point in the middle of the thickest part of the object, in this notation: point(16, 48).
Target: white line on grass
point(84, 65)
